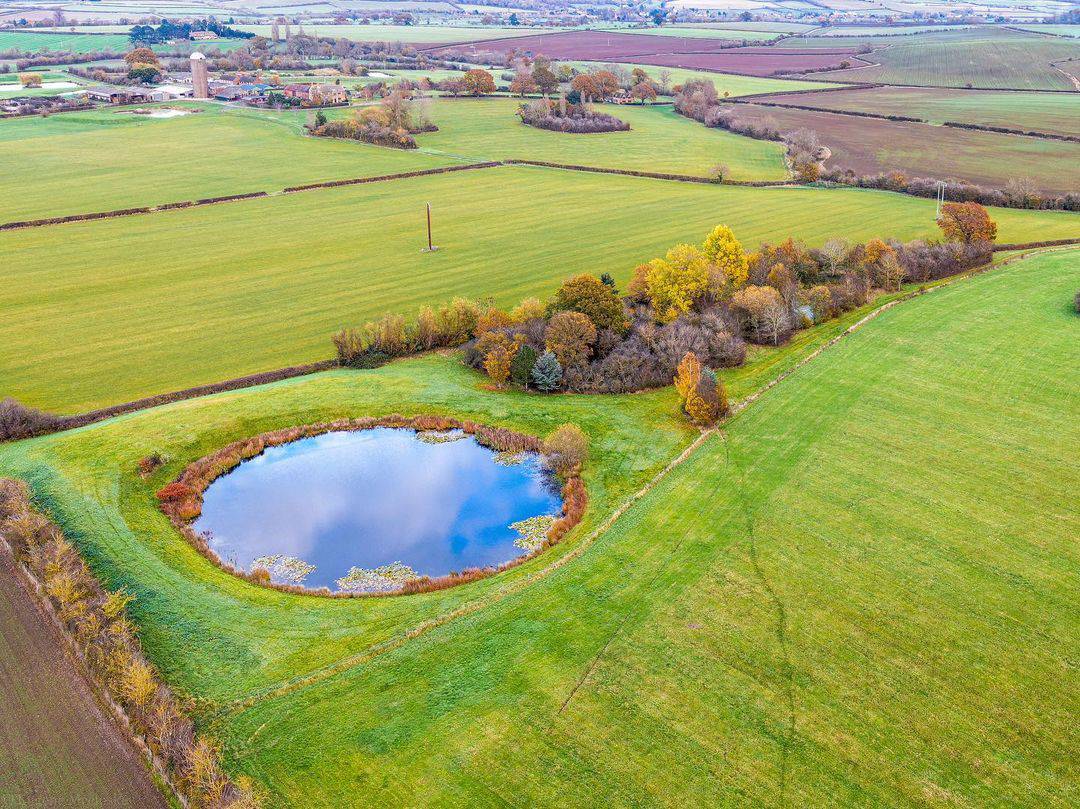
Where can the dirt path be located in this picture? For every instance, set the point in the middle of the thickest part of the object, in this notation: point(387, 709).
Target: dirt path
point(57, 747)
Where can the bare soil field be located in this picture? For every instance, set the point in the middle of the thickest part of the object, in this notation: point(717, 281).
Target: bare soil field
point(1054, 113)
point(872, 145)
point(57, 748)
point(700, 54)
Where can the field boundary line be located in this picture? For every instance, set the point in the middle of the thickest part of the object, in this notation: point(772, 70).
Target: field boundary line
point(397, 641)
point(171, 206)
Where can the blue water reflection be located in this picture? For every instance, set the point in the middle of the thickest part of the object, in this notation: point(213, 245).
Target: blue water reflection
point(370, 498)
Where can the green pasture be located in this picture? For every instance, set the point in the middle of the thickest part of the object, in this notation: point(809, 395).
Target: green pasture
point(1057, 30)
point(168, 300)
point(75, 43)
point(230, 150)
point(108, 159)
point(841, 598)
point(88, 43)
point(1057, 113)
point(658, 141)
point(981, 57)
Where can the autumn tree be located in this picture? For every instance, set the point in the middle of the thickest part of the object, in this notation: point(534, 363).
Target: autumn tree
point(677, 281)
point(585, 87)
point(478, 82)
point(644, 92)
point(819, 300)
point(570, 337)
point(491, 318)
point(687, 376)
point(499, 354)
point(890, 272)
point(966, 222)
point(783, 281)
point(528, 309)
point(764, 310)
point(29, 80)
point(730, 268)
point(593, 298)
point(544, 78)
point(141, 56)
point(701, 394)
point(522, 83)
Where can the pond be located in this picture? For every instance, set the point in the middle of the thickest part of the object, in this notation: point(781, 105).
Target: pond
point(366, 510)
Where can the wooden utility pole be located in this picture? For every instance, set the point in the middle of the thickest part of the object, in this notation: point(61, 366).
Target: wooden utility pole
point(431, 248)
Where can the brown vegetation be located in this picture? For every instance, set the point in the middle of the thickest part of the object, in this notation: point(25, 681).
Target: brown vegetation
point(107, 644)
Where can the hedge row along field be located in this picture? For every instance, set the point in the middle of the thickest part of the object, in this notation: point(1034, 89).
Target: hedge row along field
point(153, 318)
point(818, 588)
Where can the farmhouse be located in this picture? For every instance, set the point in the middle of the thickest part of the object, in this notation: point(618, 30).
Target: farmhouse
point(317, 94)
point(202, 36)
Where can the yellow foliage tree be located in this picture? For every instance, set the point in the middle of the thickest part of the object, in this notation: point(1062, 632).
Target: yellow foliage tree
point(677, 281)
point(729, 261)
point(499, 356)
point(687, 376)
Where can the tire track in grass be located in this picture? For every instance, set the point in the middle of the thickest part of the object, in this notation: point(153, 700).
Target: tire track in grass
point(780, 610)
point(293, 684)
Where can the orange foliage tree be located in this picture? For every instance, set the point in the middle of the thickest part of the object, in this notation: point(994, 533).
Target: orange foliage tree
point(966, 222)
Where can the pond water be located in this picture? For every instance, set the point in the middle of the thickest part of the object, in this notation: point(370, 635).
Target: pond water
point(16, 87)
point(357, 506)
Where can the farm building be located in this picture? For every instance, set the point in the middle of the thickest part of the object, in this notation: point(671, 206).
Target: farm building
point(317, 94)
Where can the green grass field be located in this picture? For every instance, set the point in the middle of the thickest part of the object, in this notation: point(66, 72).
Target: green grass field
point(228, 150)
point(87, 43)
point(216, 152)
point(842, 599)
point(658, 140)
point(1057, 113)
point(980, 57)
point(76, 43)
point(169, 300)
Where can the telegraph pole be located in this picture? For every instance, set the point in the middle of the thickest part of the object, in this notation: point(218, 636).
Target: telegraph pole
point(431, 248)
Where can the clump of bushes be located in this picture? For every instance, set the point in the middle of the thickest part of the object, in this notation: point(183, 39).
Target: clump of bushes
point(105, 639)
point(380, 340)
point(702, 395)
point(709, 300)
point(19, 421)
point(562, 116)
point(392, 123)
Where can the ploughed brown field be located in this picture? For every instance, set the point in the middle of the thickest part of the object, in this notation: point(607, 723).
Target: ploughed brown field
point(873, 145)
point(57, 748)
point(693, 54)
